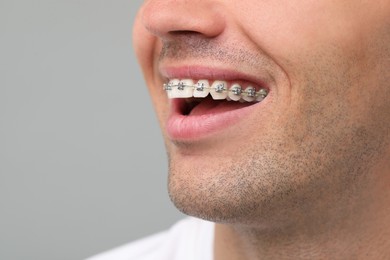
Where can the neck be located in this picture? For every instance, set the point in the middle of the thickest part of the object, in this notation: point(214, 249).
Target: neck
point(364, 233)
point(233, 244)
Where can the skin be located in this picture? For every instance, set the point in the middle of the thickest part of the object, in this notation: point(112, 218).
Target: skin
point(311, 179)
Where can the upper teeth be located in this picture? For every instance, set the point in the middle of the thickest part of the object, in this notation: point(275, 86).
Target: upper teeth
point(186, 88)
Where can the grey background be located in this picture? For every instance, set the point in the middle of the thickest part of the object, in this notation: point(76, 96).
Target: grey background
point(82, 163)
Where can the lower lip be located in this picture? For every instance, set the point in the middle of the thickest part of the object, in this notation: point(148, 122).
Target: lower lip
point(193, 127)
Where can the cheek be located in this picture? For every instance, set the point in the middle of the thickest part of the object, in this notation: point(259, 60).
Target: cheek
point(287, 30)
point(155, 87)
point(277, 27)
point(147, 48)
point(322, 46)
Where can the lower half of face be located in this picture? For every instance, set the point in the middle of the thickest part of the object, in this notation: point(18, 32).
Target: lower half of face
point(289, 161)
point(304, 152)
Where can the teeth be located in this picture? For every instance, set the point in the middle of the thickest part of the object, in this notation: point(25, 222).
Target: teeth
point(171, 88)
point(202, 89)
point(219, 90)
point(261, 94)
point(184, 88)
point(249, 94)
point(235, 92)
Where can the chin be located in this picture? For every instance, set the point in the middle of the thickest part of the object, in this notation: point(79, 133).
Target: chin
point(220, 195)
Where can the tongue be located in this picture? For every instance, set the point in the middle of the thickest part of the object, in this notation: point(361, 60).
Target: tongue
point(210, 106)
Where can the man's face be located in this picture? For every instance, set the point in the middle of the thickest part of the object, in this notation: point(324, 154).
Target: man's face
point(311, 145)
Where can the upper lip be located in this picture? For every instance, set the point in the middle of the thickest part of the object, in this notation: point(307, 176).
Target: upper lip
point(211, 73)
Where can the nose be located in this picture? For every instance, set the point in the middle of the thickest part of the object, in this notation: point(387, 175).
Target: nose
point(167, 18)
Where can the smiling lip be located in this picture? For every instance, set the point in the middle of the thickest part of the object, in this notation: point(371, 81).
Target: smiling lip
point(182, 127)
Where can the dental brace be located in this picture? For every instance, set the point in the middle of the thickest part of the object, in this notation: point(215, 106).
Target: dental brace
point(236, 89)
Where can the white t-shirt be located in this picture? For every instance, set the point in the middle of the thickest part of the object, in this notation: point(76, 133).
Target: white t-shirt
point(189, 239)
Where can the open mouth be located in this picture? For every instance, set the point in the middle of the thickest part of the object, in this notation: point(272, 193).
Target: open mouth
point(219, 90)
point(200, 108)
point(202, 98)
